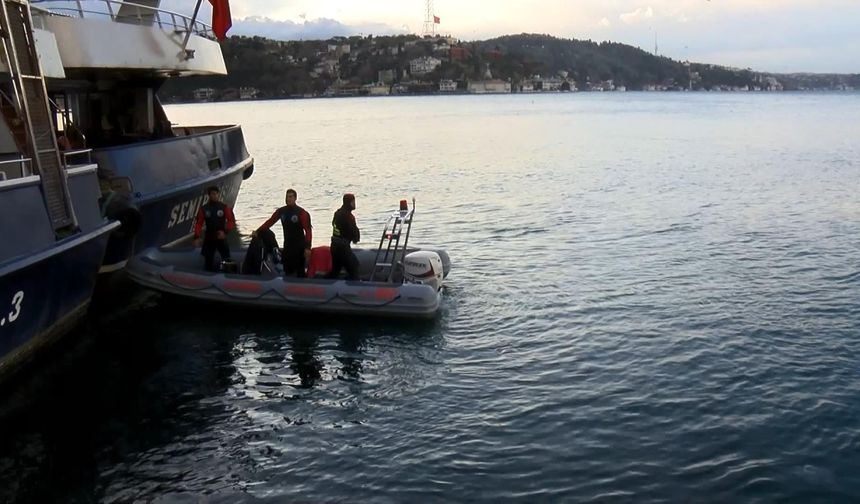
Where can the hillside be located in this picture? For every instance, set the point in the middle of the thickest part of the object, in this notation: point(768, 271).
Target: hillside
point(528, 62)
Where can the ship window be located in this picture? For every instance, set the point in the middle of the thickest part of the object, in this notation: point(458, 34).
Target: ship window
point(214, 163)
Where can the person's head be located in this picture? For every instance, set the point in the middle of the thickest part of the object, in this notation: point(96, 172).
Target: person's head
point(349, 200)
point(291, 196)
point(214, 193)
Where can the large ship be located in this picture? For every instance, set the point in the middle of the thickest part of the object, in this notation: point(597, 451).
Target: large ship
point(115, 56)
point(54, 234)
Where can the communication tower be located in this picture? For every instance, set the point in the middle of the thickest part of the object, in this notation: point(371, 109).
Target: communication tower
point(429, 19)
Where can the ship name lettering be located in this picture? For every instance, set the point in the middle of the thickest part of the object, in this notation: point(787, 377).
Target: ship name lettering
point(185, 211)
point(15, 311)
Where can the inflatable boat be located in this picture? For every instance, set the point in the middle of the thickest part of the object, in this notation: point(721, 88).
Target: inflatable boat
point(394, 280)
point(413, 291)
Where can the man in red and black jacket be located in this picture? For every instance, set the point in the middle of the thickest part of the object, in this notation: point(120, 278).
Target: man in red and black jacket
point(219, 221)
point(298, 236)
point(344, 231)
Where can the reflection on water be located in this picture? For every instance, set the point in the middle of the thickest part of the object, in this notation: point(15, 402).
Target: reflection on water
point(349, 355)
point(305, 362)
point(152, 397)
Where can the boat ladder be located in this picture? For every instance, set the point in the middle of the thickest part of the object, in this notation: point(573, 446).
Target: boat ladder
point(397, 229)
point(29, 117)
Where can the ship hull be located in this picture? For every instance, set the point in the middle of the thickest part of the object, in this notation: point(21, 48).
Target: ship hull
point(167, 182)
point(44, 295)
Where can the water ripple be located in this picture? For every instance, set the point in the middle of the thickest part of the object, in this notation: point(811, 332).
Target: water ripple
point(669, 316)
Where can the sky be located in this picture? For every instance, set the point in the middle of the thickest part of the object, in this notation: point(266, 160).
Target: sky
point(768, 35)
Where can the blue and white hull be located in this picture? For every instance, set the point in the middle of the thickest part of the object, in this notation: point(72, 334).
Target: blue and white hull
point(45, 283)
point(45, 295)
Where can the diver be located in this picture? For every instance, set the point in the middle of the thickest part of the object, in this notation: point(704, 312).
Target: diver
point(298, 235)
point(219, 221)
point(344, 231)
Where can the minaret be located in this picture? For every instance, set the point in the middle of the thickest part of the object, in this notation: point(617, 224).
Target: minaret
point(429, 24)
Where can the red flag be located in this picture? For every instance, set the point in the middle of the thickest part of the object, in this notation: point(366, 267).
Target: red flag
point(436, 19)
point(221, 19)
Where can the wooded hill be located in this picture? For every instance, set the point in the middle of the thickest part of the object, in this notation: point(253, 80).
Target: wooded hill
point(279, 69)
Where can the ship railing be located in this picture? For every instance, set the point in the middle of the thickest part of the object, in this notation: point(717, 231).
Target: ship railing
point(9, 170)
point(124, 12)
point(77, 157)
point(181, 131)
point(21, 167)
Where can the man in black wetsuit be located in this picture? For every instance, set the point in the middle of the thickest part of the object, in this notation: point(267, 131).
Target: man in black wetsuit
point(344, 231)
point(219, 221)
point(298, 236)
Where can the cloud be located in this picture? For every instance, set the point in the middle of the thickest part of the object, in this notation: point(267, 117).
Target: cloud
point(604, 23)
point(636, 16)
point(317, 29)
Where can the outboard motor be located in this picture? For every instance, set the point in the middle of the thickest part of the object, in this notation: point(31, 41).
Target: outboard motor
point(423, 267)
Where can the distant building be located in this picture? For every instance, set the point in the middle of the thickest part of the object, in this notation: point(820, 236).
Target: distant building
point(538, 84)
point(489, 86)
point(447, 86)
point(552, 84)
point(377, 89)
point(423, 65)
point(441, 46)
point(204, 94)
point(607, 85)
point(248, 93)
point(386, 76)
point(493, 55)
point(459, 54)
point(771, 84)
point(327, 65)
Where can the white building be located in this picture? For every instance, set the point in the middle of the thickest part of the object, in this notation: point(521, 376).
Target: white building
point(248, 93)
point(552, 84)
point(204, 94)
point(489, 86)
point(327, 65)
point(377, 89)
point(447, 86)
point(423, 65)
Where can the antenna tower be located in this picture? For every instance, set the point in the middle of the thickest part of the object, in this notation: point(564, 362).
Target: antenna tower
point(429, 25)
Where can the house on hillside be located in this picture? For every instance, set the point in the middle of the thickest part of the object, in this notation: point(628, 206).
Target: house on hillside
point(423, 65)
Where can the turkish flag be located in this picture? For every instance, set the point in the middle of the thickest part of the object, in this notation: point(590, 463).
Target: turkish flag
point(221, 19)
point(436, 19)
